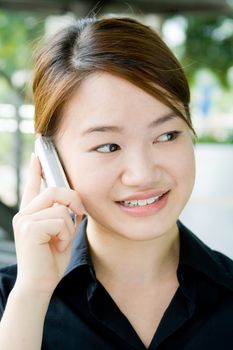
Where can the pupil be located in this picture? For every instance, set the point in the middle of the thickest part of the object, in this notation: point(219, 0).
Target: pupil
point(112, 147)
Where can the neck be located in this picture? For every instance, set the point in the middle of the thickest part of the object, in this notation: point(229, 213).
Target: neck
point(118, 259)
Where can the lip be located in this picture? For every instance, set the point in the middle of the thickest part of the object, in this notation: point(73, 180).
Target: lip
point(145, 210)
point(143, 195)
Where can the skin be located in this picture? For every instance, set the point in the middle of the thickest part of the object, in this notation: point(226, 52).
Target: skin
point(43, 235)
point(142, 163)
point(135, 257)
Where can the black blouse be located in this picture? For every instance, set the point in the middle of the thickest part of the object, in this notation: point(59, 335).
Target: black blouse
point(83, 316)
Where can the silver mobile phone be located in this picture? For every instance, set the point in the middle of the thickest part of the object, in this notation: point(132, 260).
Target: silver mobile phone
point(53, 174)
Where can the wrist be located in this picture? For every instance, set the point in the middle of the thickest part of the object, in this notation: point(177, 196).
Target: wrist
point(25, 293)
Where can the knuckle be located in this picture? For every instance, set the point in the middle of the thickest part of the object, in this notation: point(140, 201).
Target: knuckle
point(62, 210)
point(23, 226)
point(62, 225)
point(15, 219)
point(26, 226)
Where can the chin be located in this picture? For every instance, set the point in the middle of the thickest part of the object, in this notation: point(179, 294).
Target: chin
point(139, 229)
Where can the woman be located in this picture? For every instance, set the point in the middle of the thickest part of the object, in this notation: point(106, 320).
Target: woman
point(115, 102)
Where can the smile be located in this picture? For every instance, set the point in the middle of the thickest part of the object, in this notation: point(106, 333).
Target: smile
point(140, 202)
point(144, 207)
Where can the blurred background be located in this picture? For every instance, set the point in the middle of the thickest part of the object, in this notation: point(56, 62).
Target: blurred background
point(200, 33)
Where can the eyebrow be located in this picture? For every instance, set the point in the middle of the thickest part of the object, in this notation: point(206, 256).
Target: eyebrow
point(117, 129)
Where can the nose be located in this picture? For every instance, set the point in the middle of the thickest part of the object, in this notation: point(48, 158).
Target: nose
point(140, 170)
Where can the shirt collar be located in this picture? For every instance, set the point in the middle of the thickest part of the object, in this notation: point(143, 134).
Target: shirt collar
point(80, 255)
point(193, 253)
point(197, 255)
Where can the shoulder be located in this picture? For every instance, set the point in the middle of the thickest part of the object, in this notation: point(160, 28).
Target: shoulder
point(213, 265)
point(225, 262)
point(7, 281)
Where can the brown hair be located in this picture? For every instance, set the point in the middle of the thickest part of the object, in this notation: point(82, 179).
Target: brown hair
point(120, 46)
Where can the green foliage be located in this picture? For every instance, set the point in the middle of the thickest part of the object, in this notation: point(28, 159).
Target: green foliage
point(209, 44)
point(18, 31)
point(213, 139)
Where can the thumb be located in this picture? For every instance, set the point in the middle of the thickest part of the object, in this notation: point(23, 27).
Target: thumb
point(33, 183)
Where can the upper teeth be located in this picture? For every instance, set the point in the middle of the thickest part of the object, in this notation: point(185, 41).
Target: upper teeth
point(142, 202)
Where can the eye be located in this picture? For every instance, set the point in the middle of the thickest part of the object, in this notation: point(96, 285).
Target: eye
point(168, 136)
point(107, 148)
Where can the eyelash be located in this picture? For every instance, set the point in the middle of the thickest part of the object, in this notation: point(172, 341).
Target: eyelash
point(174, 135)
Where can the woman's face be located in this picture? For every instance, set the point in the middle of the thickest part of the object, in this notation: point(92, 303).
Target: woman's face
point(122, 150)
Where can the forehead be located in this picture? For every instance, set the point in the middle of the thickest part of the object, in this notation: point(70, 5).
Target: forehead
point(105, 102)
point(107, 88)
point(105, 98)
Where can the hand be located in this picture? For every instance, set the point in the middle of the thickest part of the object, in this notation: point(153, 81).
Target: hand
point(43, 232)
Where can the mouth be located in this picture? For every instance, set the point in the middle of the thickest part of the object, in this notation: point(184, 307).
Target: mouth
point(146, 206)
point(140, 202)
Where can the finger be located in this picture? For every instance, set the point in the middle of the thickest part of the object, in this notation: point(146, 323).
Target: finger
point(60, 195)
point(78, 220)
point(56, 234)
point(51, 231)
point(33, 184)
point(55, 212)
point(59, 243)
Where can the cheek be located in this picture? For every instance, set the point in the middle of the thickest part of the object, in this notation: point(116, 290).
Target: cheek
point(186, 169)
point(90, 179)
